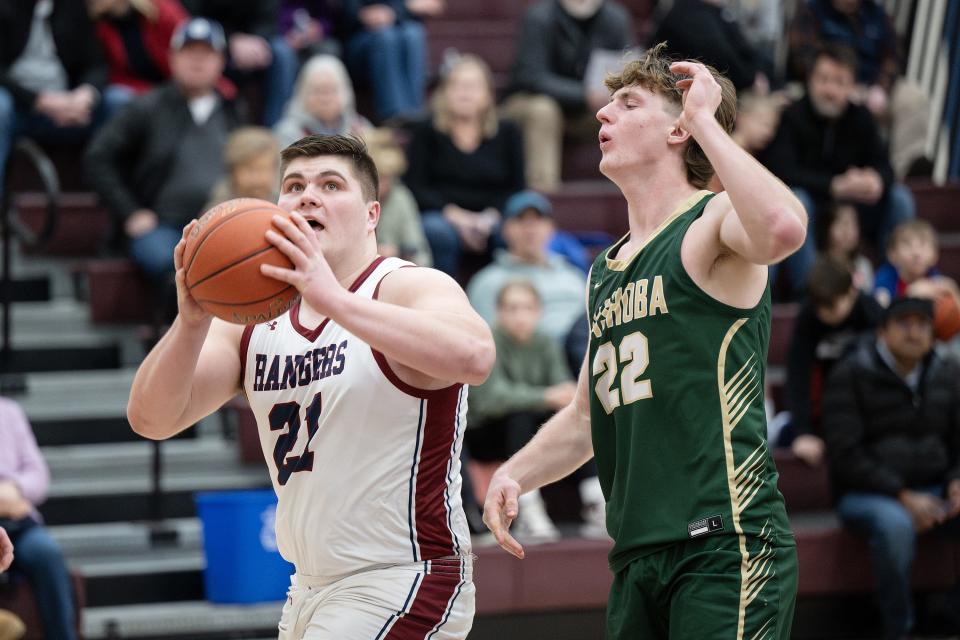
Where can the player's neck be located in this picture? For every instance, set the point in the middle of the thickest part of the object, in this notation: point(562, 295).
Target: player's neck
point(651, 201)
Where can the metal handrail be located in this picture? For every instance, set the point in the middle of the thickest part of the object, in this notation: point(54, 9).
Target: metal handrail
point(12, 227)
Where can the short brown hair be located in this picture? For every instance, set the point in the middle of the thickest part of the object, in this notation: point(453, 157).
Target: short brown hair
point(829, 278)
point(246, 143)
point(518, 283)
point(652, 72)
point(349, 147)
point(917, 228)
point(840, 53)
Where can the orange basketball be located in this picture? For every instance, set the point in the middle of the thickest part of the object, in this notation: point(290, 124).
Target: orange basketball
point(222, 260)
point(946, 317)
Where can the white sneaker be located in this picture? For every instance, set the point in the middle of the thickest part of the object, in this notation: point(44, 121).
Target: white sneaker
point(533, 525)
point(594, 511)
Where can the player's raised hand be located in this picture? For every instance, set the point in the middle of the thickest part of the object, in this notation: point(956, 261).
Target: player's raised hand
point(311, 275)
point(500, 509)
point(190, 312)
point(701, 91)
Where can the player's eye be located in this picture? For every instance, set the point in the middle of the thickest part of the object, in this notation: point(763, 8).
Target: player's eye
point(331, 186)
point(295, 187)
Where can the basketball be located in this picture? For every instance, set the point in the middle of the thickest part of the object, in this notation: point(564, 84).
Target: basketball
point(222, 261)
point(946, 317)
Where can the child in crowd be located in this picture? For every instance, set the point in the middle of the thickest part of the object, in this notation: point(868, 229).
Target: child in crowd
point(530, 381)
point(399, 232)
point(840, 238)
point(250, 161)
point(912, 271)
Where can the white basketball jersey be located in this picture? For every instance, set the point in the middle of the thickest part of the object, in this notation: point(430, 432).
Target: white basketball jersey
point(366, 467)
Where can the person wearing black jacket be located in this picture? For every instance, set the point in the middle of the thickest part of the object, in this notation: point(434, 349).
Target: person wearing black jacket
point(701, 29)
point(892, 427)
point(548, 97)
point(827, 148)
point(51, 73)
point(831, 320)
point(155, 163)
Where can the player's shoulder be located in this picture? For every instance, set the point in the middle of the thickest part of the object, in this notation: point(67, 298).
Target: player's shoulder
point(410, 282)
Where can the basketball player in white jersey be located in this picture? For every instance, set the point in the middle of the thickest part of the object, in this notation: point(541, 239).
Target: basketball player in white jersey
point(360, 398)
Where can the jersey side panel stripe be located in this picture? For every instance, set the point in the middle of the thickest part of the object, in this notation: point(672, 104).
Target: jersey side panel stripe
point(429, 610)
point(434, 536)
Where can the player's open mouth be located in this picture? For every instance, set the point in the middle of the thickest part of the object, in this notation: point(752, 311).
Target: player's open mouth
point(604, 139)
point(314, 224)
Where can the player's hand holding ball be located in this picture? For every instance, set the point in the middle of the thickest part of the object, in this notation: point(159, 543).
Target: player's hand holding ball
point(310, 274)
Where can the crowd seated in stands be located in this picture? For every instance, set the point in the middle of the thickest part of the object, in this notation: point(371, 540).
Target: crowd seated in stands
point(829, 148)
point(838, 235)
point(52, 74)
point(154, 165)
point(891, 428)
point(530, 381)
point(386, 49)
point(527, 228)
point(256, 52)
point(322, 104)
point(463, 165)
point(549, 98)
point(251, 162)
point(24, 481)
point(900, 106)
point(835, 314)
point(135, 37)
point(399, 232)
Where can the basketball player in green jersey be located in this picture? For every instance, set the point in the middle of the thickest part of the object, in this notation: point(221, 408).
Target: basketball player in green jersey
point(670, 397)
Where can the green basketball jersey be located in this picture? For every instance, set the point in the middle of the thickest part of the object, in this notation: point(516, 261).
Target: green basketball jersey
point(676, 402)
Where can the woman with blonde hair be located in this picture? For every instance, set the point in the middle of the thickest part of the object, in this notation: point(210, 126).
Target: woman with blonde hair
point(250, 159)
point(322, 103)
point(464, 164)
point(135, 38)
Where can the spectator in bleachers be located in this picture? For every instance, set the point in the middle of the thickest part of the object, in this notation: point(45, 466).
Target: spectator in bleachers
point(257, 53)
point(891, 425)
point(24, 482)
point(757, 120)
point(250, 159)
point(309, 26)
point(901, 106)
point(399, 232)
point(549, 97)
point(322, 104)
point(840, 237)
point(463, 164)
point(827, 149)
point(703, 30)
point(156, 162)
point(835, 314)
point(527, 228)
point(387, 50)
point(911, 270)
point(911, 267)
point(51, 73)
point(529, 382)
point(135, 36)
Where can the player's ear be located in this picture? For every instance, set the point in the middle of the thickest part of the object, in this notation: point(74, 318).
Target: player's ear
point(677, 134)
point(373, 215)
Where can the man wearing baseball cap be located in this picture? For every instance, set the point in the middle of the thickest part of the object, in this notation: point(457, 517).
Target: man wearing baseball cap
point(891, 426)
point(155, 163)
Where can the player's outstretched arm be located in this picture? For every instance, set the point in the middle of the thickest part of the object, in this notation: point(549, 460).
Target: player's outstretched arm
point(190, 372)
point(420, 320)
point(762, 221)
point(560, 447)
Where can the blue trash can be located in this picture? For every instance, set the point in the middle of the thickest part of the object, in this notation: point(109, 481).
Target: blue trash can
point(240, 544)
